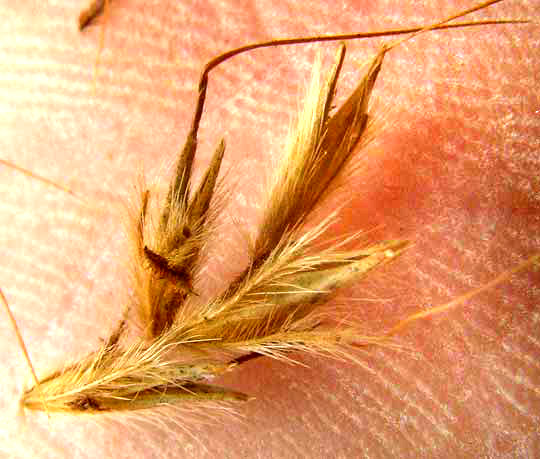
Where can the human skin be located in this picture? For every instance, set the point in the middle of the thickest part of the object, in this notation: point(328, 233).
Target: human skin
point(454, 168)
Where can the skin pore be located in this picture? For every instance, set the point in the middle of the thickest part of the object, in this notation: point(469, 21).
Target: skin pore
point(452, 168)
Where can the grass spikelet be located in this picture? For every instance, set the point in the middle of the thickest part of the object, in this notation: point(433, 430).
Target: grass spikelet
point(270, 309)
point(140, 376)
point(317, 152)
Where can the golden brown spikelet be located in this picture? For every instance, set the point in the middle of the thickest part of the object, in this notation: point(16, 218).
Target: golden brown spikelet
point(137, 377)
point(166, 253)
point(318, 150)
point(270, 309)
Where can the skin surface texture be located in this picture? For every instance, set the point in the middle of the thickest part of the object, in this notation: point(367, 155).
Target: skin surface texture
point(454, 168)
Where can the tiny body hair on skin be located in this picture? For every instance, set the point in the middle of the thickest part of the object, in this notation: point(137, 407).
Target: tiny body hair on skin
point(450, 169)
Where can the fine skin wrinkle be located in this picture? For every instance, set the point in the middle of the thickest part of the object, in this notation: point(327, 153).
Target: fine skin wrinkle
point(415, 412)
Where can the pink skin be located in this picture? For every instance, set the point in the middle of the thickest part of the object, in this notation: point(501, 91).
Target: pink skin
point(454, 168)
